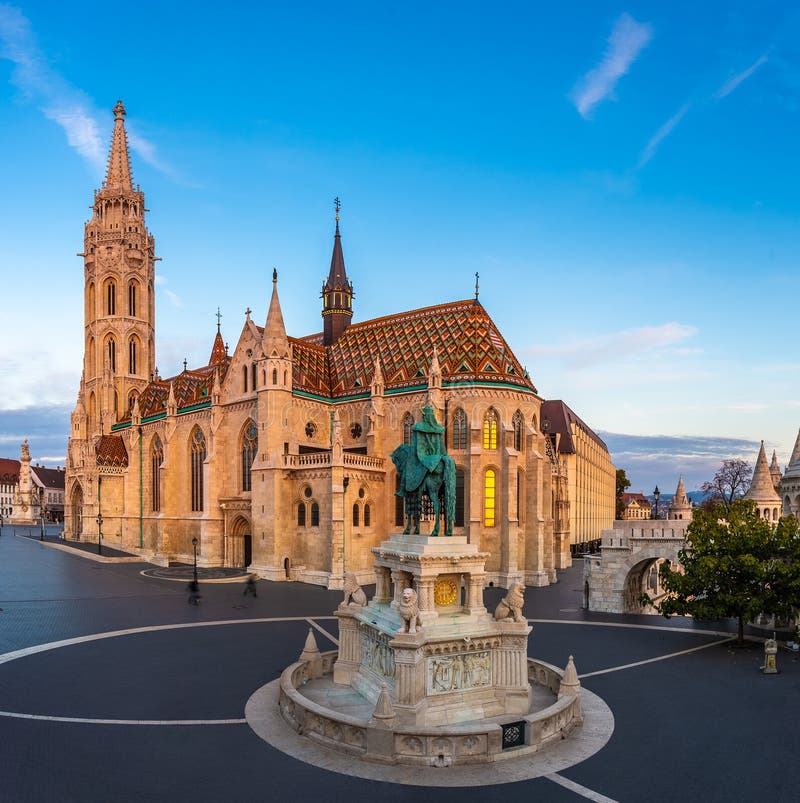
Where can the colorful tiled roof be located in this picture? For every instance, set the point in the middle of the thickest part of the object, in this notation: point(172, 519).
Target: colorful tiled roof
point(469, 345)
point(110, 451)
point(219, 354)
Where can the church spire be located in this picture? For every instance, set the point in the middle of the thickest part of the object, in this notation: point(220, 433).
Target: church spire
point(274, 337)
point(118, 174)
point(337, 292)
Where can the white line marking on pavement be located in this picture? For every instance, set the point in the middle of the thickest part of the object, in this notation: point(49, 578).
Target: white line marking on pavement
point(578, 789)
point(54, 645)
point(87, 721)
point(658, 658)
point(323, 631)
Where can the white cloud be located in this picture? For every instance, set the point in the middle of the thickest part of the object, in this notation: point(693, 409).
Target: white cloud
point(661, 134)
point(737, 79)
point(626, 41)
point(174, 298)
point(616, 346)
point(58, 100)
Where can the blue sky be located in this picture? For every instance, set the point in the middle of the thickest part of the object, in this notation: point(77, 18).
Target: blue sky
point(623, 177)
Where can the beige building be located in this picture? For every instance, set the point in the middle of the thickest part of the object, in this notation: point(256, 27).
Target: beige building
point(636, 507)
point(9, 479)
point(591, 476)
point(276, 456)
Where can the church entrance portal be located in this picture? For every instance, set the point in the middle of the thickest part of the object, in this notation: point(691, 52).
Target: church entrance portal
point(76, 511)
point(239, 544)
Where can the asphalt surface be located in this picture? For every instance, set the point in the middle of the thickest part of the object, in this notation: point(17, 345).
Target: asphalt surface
point(705, 725)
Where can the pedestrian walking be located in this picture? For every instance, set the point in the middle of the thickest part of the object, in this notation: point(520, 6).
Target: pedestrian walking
point(194, 593)
point(250, 586)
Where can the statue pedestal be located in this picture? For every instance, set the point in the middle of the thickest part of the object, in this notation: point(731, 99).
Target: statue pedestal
point(455, 663)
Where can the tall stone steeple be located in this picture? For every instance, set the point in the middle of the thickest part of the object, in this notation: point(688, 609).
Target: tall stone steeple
point(119, 270)
point(275, 344)
point(337, 292)
point(761, 490)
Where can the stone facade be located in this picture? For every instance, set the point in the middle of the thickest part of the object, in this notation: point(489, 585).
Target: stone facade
point(276, 456)
point(790, 482)
point(628, 564)
point(590, 474)
point(636, 507)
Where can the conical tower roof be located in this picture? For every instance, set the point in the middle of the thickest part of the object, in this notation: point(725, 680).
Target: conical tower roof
point(274, 337)
point(118, 174)
point(793, 469)
point(337, 275)
point(218, 355)
point(762, 489)
point(680, 500)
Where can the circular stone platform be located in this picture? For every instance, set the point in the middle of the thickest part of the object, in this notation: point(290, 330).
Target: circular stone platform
point(264, 718)
point(185, 574)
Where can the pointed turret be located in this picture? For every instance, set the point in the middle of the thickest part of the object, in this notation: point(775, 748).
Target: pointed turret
point(377, 385)
point(172, 404)
point(118, 174)
point(274, 340)
point(793, 467)
point(775, 471)
point(218, 353)
point(337, 293)
point(680, 507)
point(761, 489)
point(435, 372)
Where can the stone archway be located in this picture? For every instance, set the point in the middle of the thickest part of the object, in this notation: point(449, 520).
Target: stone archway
point(76, 511)
point(239, 544)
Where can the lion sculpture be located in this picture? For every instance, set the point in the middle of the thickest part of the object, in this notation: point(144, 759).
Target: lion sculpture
point(511, 605)
point(409, 612)
point(353, 593)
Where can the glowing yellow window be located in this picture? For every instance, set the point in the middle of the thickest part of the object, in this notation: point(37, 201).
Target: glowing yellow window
point(488, 498)
point(490, 430)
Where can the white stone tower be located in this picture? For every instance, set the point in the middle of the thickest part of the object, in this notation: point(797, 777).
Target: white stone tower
point(762, 491)
point(680, 507)
point(790, 482)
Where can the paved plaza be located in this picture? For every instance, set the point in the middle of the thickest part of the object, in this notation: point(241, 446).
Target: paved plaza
point(113, 688)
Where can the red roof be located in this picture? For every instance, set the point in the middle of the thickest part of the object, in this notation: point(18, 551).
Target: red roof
point(9, 471)
point(640, 498)
point(110, 451)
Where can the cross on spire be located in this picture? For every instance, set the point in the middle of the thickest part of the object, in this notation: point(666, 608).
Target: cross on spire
point(247, 312)
point(337, 205)
point(477, 276)
point(219, 319)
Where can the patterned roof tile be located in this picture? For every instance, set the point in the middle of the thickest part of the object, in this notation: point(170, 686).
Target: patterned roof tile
point(110, 450)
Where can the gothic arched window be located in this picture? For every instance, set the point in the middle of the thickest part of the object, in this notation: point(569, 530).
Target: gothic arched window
point(408, 422)
point(356, 517)
point(133, 350)
point(489, 496)
point(490, 429)
point(156, 459)
point(459, 438)
point(518, 422)
point(198, 457)
point(244, 377)
point(133, 292)
point(459, 520)
point(366, 516)
point(301, 514)
point(111, 349)
point(249, 448)
point(111, 298)
point(314, 514)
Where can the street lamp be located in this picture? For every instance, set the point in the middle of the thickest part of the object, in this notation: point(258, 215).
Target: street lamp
point(656, 495)
point(99, 532)
point(194, 546)
point(41, 513)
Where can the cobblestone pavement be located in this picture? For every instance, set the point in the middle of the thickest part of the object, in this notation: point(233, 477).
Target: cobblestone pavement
point(704, 724)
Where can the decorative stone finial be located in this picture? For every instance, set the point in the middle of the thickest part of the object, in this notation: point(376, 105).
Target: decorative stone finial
point(119, 111)
point(384, 713)
point(569, 683)
point(311, 656)
point(274, 275)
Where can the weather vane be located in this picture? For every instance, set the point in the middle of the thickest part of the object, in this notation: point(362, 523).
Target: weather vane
point(337, 205)
point(477, 275)
point(219, 318)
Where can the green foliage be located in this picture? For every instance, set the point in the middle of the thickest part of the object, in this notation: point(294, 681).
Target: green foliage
point(735, 564)
point(623, 483)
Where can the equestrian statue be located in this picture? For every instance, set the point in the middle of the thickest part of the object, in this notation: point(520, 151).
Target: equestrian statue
point(424, 467)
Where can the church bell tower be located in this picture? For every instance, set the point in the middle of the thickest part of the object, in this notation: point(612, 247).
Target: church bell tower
point(119, 272)
point(337, 293)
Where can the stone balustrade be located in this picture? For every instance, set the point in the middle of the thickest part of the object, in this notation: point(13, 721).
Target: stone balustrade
point(469, 743)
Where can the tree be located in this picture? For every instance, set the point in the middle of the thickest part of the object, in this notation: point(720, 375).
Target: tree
point(623, 483)
point(730, 482)
point(734, 564)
